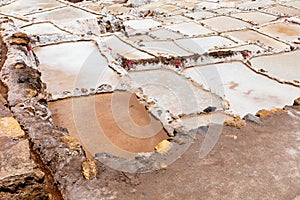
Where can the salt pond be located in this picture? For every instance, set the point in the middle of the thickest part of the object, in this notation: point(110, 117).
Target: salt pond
point(246, 90)
point(68, 66)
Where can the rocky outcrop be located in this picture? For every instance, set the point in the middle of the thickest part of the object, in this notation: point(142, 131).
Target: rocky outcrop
point(27, 101)
point(20, 176)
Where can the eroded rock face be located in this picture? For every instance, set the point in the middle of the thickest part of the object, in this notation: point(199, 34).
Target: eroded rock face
point(20, 178)
point(31, 111)
point(297, 102)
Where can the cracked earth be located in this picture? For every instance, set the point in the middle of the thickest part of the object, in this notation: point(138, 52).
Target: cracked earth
point(150, 99)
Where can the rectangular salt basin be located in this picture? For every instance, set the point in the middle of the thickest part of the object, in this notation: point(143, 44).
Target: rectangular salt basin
point(284, 67)
point(226, 10)
point(43, 29)
point(246, 90)
point(164, 48)
point(295, 4)
point(253, 36)
point(115, 123)
point(164, 34)
point(285, 31)
point(71, 19)
point(142, 24)
point(124, 49)
point(224, 23)
point(284, 10)
point(256, 17)
point(68, 66)
point(204, 44)
point(256, 4)
point(136, 38)
point(189, 29)
point(175, 19)
point(200, 15)
point(23, 7)
point(159, 6)
point(64, 14)
point(173, 92)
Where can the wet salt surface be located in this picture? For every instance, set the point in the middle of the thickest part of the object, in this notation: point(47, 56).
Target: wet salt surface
point(246, 90)
point(76, 21)
point(175, 19)
point(295, 4)
point(200, 15)
point(29, 6)
point(284, 67)
point(43, 29)
point(256, 17)
point(68, 66)
point(203, 44)
point(253, 36)
point(224, 23)
point(284, 10)
point(189, 29)
point(285, 31)
point(112, 123)
point(142, 24)
point(124, 49)
point(164, 34)
point(165, 48)
point(173, 92)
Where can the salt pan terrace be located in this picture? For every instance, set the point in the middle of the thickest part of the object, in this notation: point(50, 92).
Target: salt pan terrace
point(180, 61)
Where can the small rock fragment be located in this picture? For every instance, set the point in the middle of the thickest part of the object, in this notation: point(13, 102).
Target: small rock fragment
point(163, 147)
point(236, 122)
point(84, 90)
point(163, 165)
point(72, 143)
point(19, 66)
point(20, 38)
point(39, 175)
point(10, 127)
point(252, 118)
point(89, 169)
point(210, 109)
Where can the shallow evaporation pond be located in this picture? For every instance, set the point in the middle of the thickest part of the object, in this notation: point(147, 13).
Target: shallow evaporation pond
point(43, 29)
point(72, 19)
point(29, 6)
point(253, 36)
point(203, 44)
point(173, 92)
point(114, 123)
point(284, 31)
point(64, 15)
point(284, 67)
point(224, 23)
point(125, 50)
point(190, 29)
point(68, 66)
point(257, 17)
point(246, 90)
